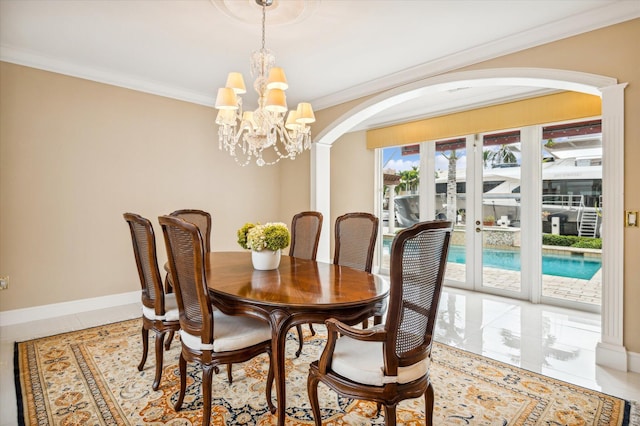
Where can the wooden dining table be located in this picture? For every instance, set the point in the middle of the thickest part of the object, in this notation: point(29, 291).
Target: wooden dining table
point(298, 292)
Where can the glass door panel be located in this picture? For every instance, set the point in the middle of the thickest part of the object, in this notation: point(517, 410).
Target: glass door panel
point(571, 214)
point(400, 201)
point(500, 213)
point(450, 203)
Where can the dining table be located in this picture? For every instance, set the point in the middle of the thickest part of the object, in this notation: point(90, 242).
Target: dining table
point(299, 291)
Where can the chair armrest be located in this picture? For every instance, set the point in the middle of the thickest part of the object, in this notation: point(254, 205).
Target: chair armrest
point(367, 334)
point(334, 329)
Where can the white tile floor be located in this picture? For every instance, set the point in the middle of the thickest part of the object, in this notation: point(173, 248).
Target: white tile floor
point(553, 341)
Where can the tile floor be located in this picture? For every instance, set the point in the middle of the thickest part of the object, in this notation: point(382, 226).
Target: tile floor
point(553, 341)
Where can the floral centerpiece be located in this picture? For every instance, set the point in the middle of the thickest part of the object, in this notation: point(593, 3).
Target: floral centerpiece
point(265, 242)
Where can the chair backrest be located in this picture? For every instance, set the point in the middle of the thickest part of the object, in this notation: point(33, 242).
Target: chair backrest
point(185, 252)
point(144, 249)
point(355, 240)
point(199, 218)
point(305, 235)
point(417, 267)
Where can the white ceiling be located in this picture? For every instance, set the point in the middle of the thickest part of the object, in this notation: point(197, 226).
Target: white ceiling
point(332, 50)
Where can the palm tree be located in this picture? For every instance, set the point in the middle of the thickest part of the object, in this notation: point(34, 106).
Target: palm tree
point(486, 157)
point(452, 190)
point(504, 155)
point(409, 180)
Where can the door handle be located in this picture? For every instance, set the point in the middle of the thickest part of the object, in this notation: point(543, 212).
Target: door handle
point(478, 229)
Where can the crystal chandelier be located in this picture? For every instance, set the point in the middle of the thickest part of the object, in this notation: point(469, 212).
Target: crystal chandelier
point(253, 132)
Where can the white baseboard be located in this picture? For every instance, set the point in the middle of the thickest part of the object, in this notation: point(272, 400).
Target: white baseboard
point(612, 356)
point(634, 362)
point(34, 313)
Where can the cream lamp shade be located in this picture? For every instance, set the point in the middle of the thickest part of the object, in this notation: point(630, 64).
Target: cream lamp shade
point(305, 113)
point(277, 79)
point(226, 99)
point(276, 101)
point(236, 82)
point(291, 123)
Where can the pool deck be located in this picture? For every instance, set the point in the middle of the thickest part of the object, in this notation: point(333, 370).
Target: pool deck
point(573, 289)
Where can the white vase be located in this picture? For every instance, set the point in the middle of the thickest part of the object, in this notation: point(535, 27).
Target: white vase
point(266, 260)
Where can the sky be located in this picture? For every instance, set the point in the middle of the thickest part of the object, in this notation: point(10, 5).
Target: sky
point(393, 159)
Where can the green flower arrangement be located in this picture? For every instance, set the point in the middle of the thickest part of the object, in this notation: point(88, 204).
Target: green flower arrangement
point(273, 236)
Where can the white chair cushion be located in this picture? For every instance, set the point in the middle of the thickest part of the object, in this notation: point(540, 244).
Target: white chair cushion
point(230, 333)
point(170, 310)
point(363, 362)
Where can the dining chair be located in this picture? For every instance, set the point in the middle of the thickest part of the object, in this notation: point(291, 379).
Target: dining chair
point(159, 310)
point(202, 220)
point(390, 363)
point(209, 337)
point(305, 236)
point(355, 242)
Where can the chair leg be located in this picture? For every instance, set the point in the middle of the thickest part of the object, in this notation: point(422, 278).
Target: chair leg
point(168, 286)
point(365, 323)
point(183, 382)
point(390, 415)
point(159, 359)
point(167, 344)
point(270, 377)
point(207, 375)
point(300, 340)
point(429, 400)
point(145, 348)
point(229, 376)
point(312, 392)
point(313, 332)
point(377, 320)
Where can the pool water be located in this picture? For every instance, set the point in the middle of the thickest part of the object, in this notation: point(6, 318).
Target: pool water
point(570, 266)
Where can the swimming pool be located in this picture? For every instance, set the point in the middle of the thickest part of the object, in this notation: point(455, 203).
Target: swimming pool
point(570, 266)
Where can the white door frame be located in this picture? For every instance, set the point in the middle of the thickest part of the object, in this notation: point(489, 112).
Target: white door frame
point(610, 351)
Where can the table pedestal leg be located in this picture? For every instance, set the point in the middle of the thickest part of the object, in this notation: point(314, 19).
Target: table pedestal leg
point(280, 327)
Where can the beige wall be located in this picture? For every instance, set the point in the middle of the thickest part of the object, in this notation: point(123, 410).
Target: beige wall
point(75, 155)
point(613, 52)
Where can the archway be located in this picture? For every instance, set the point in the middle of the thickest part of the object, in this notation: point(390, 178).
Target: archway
point(610, 351)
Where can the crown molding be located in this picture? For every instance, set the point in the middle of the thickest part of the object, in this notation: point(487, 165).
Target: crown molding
point(48, 63)
point(608, 14)
point(578, 24)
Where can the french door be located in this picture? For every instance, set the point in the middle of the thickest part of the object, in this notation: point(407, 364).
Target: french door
point(505, 193)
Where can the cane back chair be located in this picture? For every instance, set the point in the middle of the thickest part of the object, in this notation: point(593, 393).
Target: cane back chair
point(208, 336)
point(390, 363)
point(202, 220)
point(305, 236)
point(355, 242)
point(159, 310)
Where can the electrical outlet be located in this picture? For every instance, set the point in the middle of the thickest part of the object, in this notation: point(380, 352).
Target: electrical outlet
point(4, 283)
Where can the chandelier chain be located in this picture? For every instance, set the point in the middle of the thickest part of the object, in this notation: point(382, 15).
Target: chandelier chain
point(264, 20)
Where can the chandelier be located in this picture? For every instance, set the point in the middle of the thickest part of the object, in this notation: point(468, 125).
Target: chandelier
point(253, 132)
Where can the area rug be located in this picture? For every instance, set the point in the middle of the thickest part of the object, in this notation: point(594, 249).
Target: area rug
point(91, 377)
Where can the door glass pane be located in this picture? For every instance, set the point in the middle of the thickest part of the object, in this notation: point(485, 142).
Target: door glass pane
point(401, 179)
point(572, 212)
point(450, 201)
point(501, 211)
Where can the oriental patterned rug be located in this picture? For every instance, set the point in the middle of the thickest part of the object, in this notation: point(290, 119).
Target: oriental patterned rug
point(91, 377)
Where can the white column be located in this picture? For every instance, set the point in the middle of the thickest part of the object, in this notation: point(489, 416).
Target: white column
point(392, 209)
point(427, 189)
point(321, 196)
point(531, 224)
point(610, 351)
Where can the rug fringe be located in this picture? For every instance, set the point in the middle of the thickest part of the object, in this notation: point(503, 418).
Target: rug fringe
point(634, 413)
